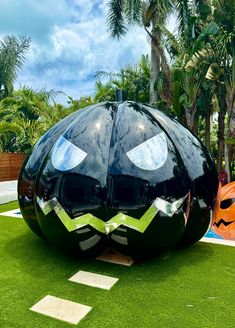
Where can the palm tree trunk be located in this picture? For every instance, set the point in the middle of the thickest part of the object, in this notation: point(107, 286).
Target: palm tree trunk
point(229, 153)
point(195, 125)
point(188, 118)
point(226, 160)
point(190, 114)
point(154, 73)
point(229, 147)
point(220, 140)
point(208, 129)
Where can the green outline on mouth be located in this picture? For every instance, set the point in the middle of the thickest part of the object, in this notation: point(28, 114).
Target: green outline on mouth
point(139, 225)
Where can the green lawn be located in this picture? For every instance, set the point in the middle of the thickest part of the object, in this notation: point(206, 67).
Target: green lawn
point(191, 288)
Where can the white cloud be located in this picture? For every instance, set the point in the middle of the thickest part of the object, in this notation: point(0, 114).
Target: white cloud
point(73, 46)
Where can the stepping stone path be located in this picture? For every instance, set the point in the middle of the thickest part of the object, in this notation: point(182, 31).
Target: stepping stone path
point(72, 312)
point(94, 280)
point(61, 309)
point(68, 311)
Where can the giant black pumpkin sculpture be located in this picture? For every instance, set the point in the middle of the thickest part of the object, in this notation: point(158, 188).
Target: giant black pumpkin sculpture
point(121, 174)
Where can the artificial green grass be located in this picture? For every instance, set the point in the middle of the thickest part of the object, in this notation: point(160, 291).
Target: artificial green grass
point(194, 287)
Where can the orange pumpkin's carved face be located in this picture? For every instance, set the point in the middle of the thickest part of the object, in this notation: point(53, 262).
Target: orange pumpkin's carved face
point(224, 214)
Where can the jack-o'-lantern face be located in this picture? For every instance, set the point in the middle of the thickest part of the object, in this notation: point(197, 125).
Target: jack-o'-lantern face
point(121, 174)
point(224, 214)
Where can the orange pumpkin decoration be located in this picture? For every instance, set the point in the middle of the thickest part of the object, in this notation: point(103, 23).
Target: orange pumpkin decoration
point(224, 212)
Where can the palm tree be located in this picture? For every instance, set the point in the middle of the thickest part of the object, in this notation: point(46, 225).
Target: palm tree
point(217, 53)
point(104, 91)
point(25, 116)
point(76, 104)
point(134, 79)
point(8, 132)
point(151, 15)
point(188, 81)
point(12, 57)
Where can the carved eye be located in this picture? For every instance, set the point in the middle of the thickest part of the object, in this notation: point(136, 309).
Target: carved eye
point(65, 155)
point(151, 154)
point(227, 203)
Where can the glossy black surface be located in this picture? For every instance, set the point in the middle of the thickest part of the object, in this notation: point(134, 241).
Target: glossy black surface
point(31, 169)
point(131, 154)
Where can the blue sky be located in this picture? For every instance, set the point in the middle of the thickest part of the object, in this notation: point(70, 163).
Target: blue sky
point(70, 42)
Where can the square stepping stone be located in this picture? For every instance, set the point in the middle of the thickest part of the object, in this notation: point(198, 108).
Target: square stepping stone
point(61, 309)
point(94, 280)
point(109, 255)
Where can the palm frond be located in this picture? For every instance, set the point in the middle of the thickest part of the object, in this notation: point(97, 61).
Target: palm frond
point(171, 42)
point(12, 57)
point(144, 65)
point(190, 81)
point(160, 8)
point(116, 18)
point(134, 11)
point(205, 55)
point(106, 75)
point(6, 127)
point(183, 16)
point(214, 72)
point(12, 53)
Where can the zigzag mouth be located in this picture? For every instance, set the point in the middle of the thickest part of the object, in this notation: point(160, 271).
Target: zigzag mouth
point(221, 221)
point(139, 225)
